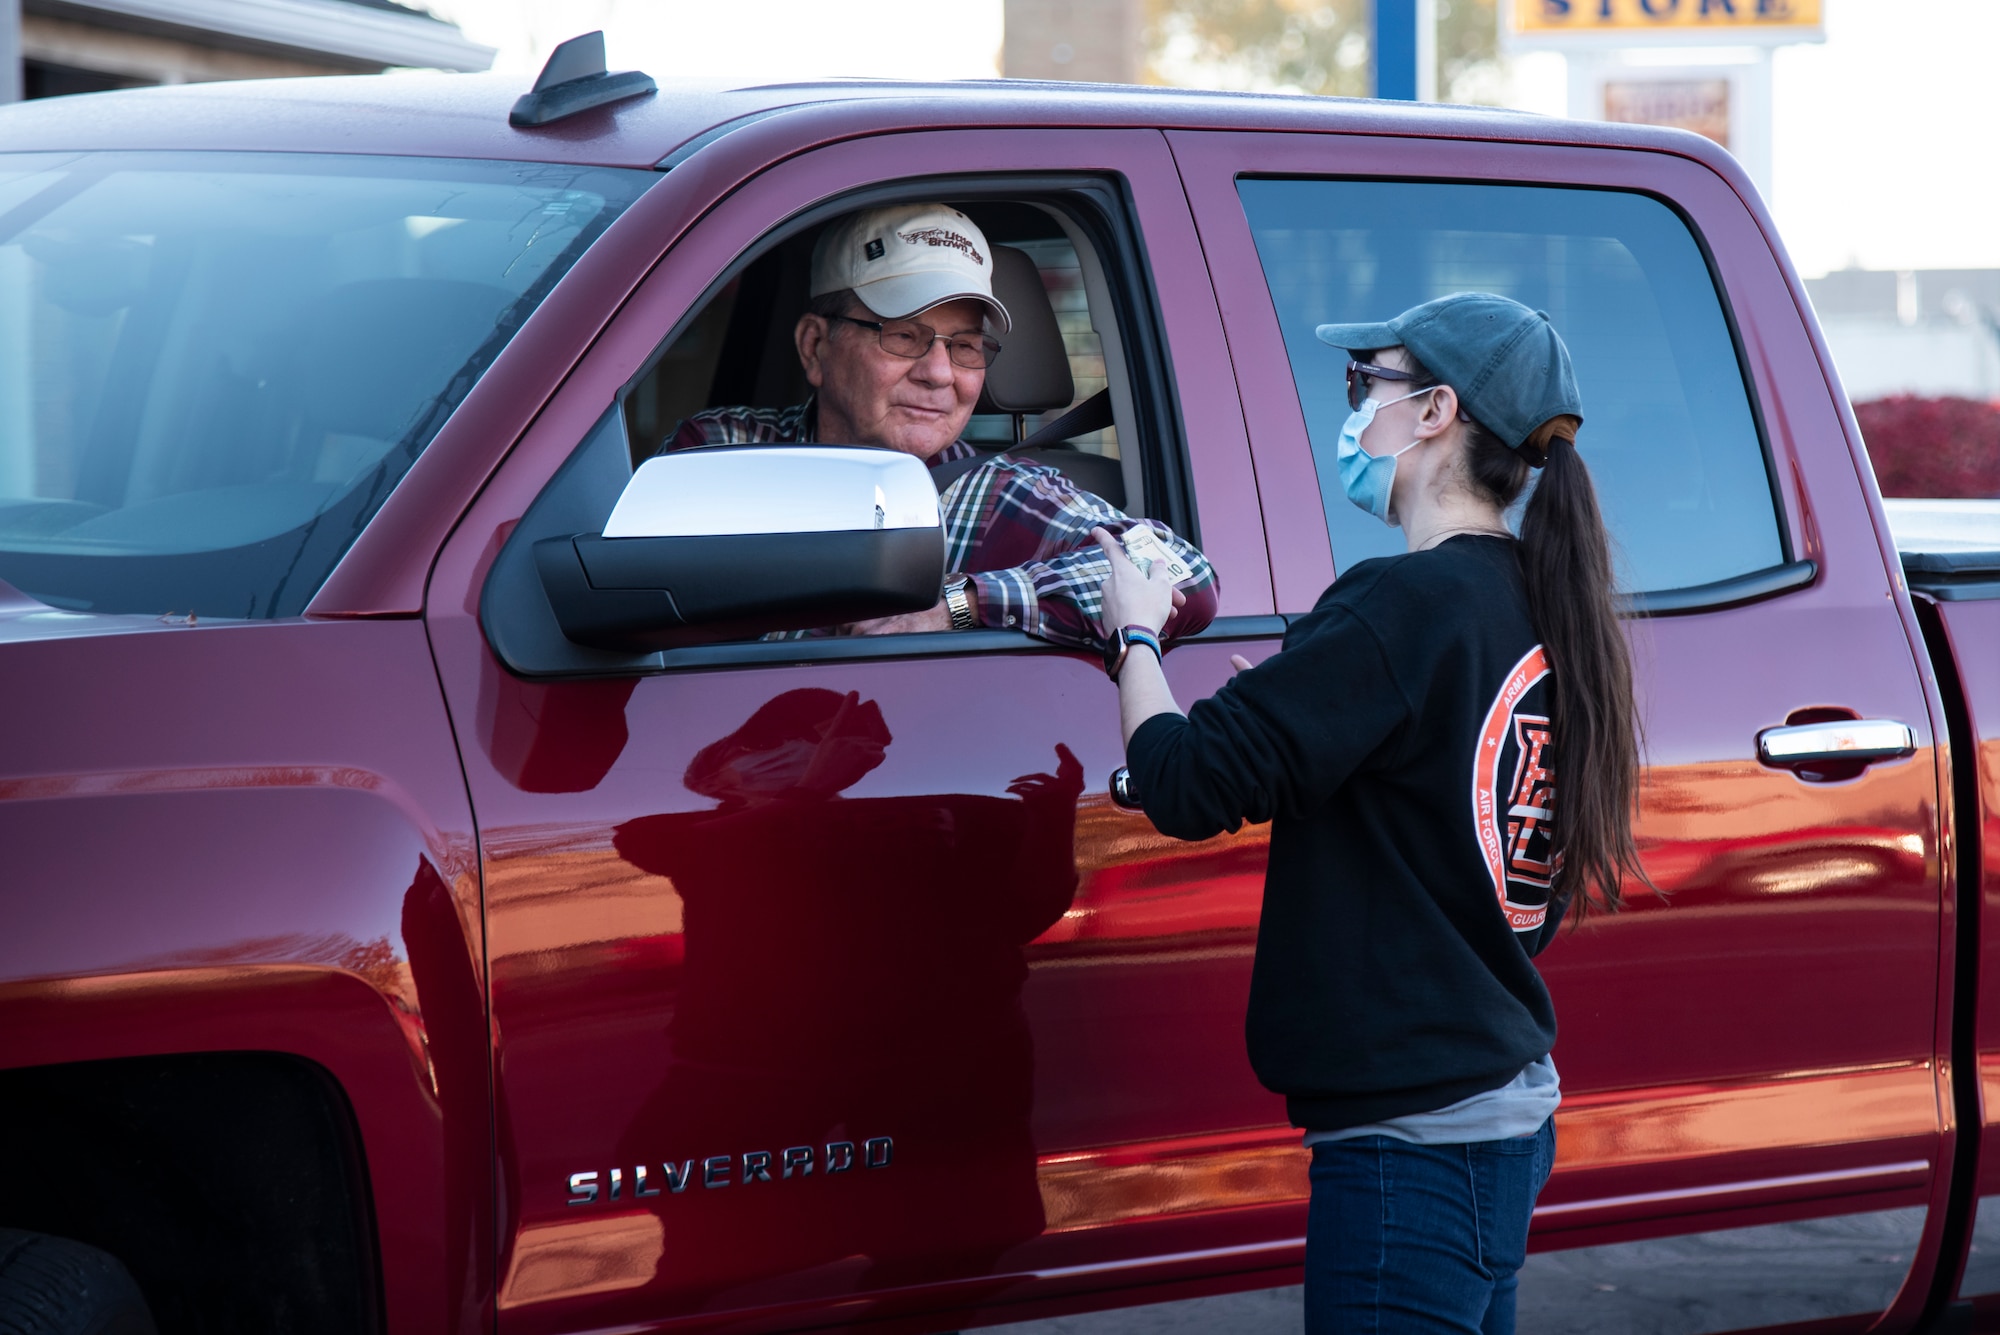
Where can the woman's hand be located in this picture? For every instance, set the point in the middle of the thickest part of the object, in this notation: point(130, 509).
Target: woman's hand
point(1133, 599)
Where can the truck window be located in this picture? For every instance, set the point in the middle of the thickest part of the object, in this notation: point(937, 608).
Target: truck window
point(1080, 388)
point(1062, 276)
point(214, 367)
point(738, 350)
point(1668, 428)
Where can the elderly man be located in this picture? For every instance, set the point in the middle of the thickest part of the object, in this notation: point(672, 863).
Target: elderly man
point(896, 343)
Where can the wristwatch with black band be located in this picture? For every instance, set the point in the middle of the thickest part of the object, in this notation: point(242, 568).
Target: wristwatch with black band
point(1120, 645)
point(959, 604)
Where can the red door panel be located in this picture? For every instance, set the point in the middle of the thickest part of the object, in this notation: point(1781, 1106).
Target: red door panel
point(855, 959)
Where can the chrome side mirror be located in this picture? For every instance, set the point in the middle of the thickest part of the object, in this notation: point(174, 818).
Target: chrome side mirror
point(739, 490)
point(732, 542)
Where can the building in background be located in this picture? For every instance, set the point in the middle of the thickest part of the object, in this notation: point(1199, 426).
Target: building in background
point(52, 47)
point(1097, 41)
point(1934, 332)
point(1322, 47)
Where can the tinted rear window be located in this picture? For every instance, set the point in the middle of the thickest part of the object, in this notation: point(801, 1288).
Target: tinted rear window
point(215, 367)
point(1668, 431)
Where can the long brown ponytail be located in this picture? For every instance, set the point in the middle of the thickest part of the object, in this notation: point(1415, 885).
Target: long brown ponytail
point(1566, 564)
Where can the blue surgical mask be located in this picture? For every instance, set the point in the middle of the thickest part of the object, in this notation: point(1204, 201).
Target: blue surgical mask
point(1365, 477)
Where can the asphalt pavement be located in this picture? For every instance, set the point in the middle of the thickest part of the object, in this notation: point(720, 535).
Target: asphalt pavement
point(1691, 1285)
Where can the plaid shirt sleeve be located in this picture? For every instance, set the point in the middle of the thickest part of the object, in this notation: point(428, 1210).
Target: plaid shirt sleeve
point(1019, 532)
point(739, 426)
point(1021, 535)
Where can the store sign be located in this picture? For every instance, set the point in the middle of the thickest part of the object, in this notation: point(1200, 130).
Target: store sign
point(1701, 105)
point(1677, 18)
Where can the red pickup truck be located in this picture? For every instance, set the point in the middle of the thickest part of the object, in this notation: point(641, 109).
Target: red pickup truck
point(422, 911)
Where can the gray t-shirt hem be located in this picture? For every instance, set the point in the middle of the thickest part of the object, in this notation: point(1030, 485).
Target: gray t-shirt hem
point(1517, 1108)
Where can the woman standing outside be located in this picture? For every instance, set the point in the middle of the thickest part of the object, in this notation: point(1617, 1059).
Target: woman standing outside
point(1446, 749)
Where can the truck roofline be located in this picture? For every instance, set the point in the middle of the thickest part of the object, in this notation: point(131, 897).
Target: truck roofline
point(465, 116)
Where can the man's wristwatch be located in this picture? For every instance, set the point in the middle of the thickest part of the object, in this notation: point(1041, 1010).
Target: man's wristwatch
point(959, 604)
point(1120, 645)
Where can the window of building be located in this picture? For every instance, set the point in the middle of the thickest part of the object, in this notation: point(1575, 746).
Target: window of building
point(41, 78)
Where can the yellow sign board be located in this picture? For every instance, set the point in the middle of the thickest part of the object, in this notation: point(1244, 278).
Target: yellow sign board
point(1673, 18)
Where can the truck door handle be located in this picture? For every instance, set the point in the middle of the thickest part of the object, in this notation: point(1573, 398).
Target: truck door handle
point(1849, 741)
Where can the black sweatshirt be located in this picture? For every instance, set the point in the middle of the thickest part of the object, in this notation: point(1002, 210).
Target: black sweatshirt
point(1399, 744)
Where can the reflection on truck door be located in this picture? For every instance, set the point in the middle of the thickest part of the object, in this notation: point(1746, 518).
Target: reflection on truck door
point(830, 973)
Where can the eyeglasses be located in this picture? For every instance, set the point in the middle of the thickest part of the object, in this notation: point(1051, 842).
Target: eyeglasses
point(911, 339)
point(1360, 373)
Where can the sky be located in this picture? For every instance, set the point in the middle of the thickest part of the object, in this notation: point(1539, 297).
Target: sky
point(1884, 138)
point(764, 40)
point(1883, 154)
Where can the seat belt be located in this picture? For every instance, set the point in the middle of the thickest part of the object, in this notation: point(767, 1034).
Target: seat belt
point(1093, 414)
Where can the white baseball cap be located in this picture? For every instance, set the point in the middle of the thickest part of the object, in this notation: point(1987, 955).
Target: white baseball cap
point(906, 259)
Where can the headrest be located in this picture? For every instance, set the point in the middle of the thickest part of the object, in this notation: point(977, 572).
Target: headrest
point(1031, 374)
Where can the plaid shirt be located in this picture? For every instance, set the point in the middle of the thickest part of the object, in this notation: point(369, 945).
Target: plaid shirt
point(1018, 532)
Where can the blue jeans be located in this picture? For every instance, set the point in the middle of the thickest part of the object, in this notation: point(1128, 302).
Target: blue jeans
point(1404, 1237)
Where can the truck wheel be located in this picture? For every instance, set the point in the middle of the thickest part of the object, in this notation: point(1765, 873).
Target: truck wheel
point(52, 1286)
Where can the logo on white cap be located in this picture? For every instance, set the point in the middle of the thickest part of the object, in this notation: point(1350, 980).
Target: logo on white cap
point(943, 236)
point(906, 259)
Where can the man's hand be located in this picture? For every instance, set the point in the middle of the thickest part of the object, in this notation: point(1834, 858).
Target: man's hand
point(937, 617)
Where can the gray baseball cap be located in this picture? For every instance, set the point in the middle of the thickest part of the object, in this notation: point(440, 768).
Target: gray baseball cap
point(1507, 362)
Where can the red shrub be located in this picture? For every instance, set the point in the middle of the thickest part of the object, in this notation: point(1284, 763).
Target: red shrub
point(1933, 447)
